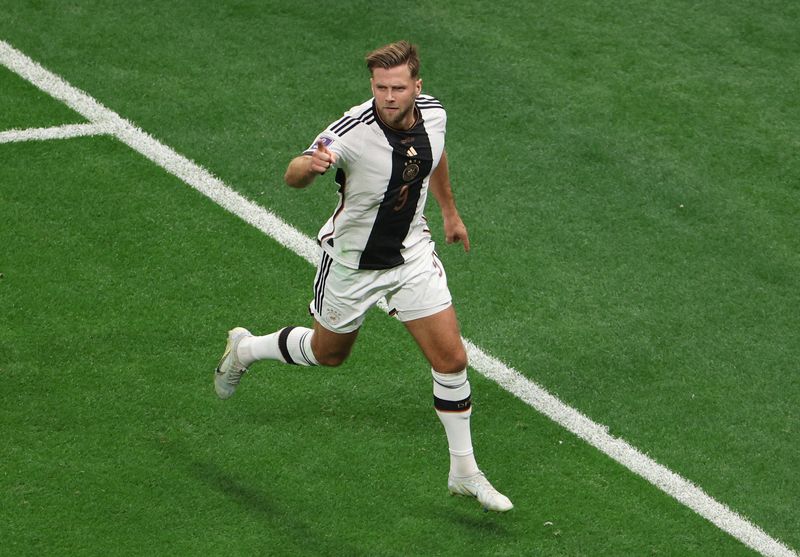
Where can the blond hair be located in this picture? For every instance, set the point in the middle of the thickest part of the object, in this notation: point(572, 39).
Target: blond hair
point(393, 55)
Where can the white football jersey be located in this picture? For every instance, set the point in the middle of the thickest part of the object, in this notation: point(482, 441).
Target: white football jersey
point(383, 177)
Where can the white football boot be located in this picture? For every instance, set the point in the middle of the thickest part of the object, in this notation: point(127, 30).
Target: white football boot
point(230, 369)
point(479, 487)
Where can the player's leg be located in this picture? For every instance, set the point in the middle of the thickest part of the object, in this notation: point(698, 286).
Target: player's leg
point(299, 346)
point(439, 338)
point(424, 305)
point(341, 298)
point(332, 348)
point(291, 345)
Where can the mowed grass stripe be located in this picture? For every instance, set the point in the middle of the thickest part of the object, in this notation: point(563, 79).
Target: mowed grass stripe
point(121, 282)
point(267, 222)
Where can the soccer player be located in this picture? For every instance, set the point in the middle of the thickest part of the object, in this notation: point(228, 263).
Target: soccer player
point(388, 152)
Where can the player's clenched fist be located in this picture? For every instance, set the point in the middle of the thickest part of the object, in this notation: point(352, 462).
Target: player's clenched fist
point(322, 158)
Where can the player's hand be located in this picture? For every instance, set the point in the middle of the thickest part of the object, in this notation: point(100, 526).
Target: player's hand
point(322, 158)
point(455, 231)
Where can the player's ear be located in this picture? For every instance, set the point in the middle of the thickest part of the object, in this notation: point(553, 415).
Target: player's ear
point(418, 87)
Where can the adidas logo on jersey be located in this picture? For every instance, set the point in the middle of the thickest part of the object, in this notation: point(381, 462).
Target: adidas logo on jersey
point(411, 152)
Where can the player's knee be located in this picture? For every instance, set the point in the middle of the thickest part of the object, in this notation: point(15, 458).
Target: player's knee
point(452, 363)
point(332, 359)
point(331, 351)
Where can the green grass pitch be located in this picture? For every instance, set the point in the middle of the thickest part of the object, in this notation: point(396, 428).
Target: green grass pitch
point(630, 180)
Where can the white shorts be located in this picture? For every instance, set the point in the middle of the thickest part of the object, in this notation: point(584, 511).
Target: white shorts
point(413, 290)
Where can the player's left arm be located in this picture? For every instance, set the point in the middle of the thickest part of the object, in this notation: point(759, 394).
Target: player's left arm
point(454, 229)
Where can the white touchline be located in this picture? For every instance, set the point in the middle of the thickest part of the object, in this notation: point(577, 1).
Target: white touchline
point(520, 386)
point(58, 132)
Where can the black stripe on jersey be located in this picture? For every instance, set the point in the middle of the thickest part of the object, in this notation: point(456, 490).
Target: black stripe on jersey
point(347, 123)
point(368, 116)
point(341, 179)
point(429, 104)
point(339, 122)
point(426, 101)
point(399, 204)
point(343, 123)
point(350, 125)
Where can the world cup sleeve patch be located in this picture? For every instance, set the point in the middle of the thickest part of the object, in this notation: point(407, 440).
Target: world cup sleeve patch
point(326, 141)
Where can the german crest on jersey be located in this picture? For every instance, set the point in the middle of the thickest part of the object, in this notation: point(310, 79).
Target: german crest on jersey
point(410, 171)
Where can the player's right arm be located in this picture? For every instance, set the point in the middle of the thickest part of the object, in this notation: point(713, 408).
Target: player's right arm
point(302, 170)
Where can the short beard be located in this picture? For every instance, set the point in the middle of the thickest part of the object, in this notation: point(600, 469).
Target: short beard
point(400, 117)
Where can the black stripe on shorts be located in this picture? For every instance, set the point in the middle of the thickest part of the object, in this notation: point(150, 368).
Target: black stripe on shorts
point(322, 276)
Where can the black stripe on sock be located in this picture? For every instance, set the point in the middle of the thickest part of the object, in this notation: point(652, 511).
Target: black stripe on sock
point(282, 337)
point(303, 350)
point(452, 405)
point(449, 386)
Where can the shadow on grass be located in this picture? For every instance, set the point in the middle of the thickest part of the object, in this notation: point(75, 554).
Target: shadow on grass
point(475, 521)
point(250, 499)
point(284, 532)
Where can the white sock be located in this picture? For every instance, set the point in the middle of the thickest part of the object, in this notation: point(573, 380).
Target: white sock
point(291, 345)
point(453, 402)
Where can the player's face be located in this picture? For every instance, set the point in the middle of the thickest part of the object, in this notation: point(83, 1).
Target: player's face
point(395, 92)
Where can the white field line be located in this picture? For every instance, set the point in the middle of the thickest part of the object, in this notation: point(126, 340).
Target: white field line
point(58, 132)
point(523, 388)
